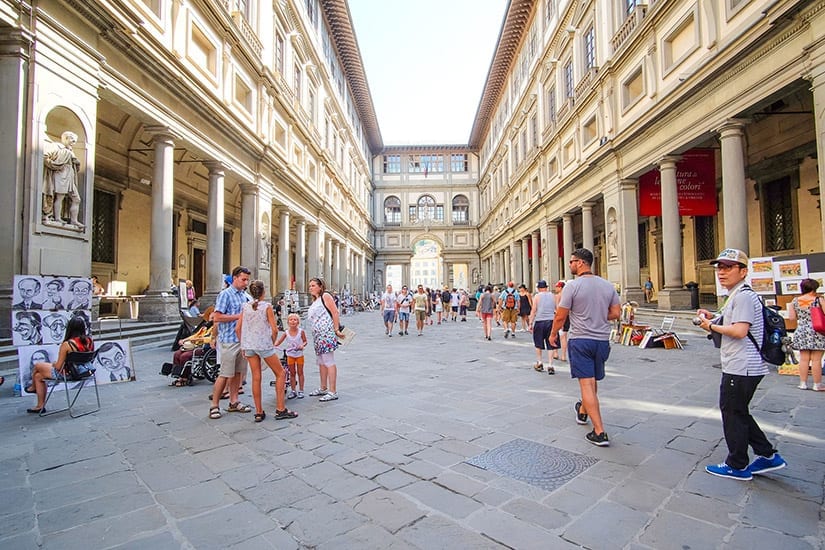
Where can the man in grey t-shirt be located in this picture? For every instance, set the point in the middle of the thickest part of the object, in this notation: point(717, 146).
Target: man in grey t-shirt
point(591, 302)
point(742, 370)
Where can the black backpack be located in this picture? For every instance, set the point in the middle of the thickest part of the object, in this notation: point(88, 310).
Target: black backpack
point(773, 333)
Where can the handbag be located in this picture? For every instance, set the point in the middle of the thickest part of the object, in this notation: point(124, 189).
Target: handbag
point(818, 317)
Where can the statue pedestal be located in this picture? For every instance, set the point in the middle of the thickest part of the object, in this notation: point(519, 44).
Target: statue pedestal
point(155, 307)
point(674, 298)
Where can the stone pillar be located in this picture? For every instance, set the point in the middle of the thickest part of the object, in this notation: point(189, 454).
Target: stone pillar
point(300, 256)
point(214, 233)
point(587, 226)
point(525, 264)
point(535, 243)
point(250, 238)
point(155, 306)
point(628, 227)
point(553, 253)
point(313, 253)
point(283, 251)
point(734, 194)
point(673, 295)
point(567, 236)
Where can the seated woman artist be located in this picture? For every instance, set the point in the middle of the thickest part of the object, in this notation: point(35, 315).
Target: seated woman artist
point(196, 342)
point(74, 340)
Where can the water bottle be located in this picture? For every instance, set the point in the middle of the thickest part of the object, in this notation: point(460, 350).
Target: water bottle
point(18, 389)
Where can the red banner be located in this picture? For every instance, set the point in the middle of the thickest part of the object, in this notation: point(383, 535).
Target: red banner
point(696, 186)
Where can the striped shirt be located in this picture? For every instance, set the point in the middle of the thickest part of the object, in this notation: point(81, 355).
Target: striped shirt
point(229, 302)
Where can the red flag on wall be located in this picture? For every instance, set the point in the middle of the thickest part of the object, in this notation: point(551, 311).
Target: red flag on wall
point(695, 182)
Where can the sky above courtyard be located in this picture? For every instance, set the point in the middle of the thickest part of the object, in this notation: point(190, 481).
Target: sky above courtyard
point(426, 63)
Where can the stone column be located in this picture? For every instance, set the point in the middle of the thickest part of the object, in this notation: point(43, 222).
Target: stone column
point(567, 236)
point(587, 226)
point(214, 232)
point(250, 237)
point(313, 253)
point(553, 253)
point(300, 256)
point(628, 227)
point(734, 194)
point(525, 263)
point(535, 243)
point(283, 251)
point(673, 295)
point(155, 306)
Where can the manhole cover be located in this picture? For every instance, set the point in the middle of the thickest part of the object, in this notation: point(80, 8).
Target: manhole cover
point(540, 465)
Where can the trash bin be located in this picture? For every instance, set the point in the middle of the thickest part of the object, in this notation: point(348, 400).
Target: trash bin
point(693, 287)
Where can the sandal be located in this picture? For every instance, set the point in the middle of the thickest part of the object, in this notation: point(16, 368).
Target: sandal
point(285, 414)
point(238, 407)
point(215, 413)
point(259, 417)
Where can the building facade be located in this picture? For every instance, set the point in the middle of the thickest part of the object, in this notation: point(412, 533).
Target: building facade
point(603, 122)
point(206, 134)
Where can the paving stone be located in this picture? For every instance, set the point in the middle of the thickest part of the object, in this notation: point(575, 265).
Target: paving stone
point(395, 479)
point(226, 526)
point(321, 524)
point(675, 531)
point(591, 531)
point(366, 537)
point(368, 467)
point(440, 532)
point(185, 502)
point(509, 530)
point(107, 532)
point(438, 498)
point(390, 510)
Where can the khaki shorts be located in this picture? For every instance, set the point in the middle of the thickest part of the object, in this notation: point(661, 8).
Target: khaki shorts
point(509, 315)
point(232, 360)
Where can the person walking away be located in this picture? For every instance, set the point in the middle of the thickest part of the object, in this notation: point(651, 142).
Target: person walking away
point(525, 306)
point(508, 302)
point(228, 307)
point(403, 302)
point(420, 301)
point(540, 323)
point(810, 343)
point(561, 352)
point(325, 322)
point(294, 340)
point(388, 300)
point(742, 370)
point(257, 330)
point(591, 303)
point(486, 307)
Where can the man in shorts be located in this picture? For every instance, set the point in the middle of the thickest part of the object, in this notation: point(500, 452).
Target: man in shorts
point(591, 303)
point(402, 306)
point(388, 300)
point(233, 365)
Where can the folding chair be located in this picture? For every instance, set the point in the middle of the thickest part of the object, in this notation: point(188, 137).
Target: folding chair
point(77, 358)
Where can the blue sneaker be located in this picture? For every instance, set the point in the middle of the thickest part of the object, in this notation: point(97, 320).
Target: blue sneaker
point(763, 465)
point(723, 470)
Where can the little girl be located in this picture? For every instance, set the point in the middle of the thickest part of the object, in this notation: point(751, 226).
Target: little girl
point(257, 330)
point(294, 340)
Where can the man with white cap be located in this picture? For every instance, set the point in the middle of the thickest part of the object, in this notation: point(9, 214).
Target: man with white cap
point(742, 370)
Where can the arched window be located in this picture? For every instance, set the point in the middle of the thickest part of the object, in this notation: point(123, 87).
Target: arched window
point(461, 210)
point(392, 211)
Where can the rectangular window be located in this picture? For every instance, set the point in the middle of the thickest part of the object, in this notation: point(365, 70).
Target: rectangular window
point(458, 163)
point(104, 223)
point(590, 48)
point(569, 87)
point(392, 165)
point(777, 209)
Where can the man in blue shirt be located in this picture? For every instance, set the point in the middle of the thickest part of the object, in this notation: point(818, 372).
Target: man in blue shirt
point(233, 365)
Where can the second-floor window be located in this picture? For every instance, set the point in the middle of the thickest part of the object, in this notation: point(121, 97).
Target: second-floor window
point(392, 165)
point(590, 48)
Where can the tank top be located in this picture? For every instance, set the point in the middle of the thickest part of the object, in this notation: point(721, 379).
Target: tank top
point(292, 344)
point(546, 306)
point(256, 333)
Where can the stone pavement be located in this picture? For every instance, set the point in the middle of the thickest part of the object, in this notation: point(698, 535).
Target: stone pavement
point(386, 466)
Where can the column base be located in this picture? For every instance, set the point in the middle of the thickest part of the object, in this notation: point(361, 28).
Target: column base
point(158, 308)
point(674, 299)
point(633, 294)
